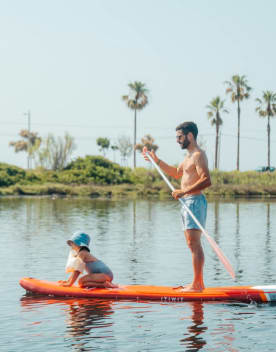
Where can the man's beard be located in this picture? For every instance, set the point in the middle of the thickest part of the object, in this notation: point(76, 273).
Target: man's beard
point(185, 144)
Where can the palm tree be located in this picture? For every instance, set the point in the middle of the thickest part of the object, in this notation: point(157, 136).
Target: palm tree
point(30, 144)
point(136, 100)
point(267, 108)
point(239, 90)
point(216, 107)
point(147, 141)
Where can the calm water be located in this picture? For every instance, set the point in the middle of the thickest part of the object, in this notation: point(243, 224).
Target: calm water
point(143, 243)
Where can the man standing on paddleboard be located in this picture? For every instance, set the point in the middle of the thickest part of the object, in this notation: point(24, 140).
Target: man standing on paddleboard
point(195, 177)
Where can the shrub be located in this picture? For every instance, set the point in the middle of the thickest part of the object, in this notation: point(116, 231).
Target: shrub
point(95, 169)
point(10, 175)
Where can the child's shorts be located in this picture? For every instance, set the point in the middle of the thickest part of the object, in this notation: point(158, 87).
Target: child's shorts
point(198, 206)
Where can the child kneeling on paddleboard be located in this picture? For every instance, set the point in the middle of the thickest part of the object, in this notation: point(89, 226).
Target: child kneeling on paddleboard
point(80, 258)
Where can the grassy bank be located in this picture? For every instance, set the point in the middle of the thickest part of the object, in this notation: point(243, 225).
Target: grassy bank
point(97, 177)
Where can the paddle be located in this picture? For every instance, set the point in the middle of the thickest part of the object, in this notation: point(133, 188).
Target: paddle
point(212, 242)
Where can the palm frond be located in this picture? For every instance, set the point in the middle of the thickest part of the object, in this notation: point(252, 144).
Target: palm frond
point(125, 97)
point(216, 107)
point(267, 105)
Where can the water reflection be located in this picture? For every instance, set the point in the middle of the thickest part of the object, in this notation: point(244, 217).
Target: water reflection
point(194, 341)
point(268, 251)
point(216, 219)
point(216, 235)
point(134, 246)
point(223, 331)
point(134, 218)
point(225, 339)
point(83, 318)
point(237, 248)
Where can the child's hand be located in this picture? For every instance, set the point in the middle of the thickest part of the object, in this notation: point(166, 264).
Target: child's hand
point(63, 283)
point(73, 277)
point(66, 284)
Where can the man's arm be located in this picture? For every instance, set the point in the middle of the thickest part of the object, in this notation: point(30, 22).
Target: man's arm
point(202, 182)
point(172, 171)
point(169, 170)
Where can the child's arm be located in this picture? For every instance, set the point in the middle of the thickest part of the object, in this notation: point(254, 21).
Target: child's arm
point(73, 277)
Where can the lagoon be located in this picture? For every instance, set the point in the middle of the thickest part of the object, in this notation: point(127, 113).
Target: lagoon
point(143, 243)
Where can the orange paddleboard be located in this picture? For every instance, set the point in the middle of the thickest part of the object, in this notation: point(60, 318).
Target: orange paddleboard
point(160, 293)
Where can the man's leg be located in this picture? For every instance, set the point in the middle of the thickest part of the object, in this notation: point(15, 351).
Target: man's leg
point(193, 237)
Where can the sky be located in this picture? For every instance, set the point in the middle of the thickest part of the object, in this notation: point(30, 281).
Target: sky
point(69, 63)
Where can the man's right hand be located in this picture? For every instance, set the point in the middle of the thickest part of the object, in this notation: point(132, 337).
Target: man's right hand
point(152, 154)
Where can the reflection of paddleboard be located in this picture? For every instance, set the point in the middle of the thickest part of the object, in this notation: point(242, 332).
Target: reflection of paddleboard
point(161, 293)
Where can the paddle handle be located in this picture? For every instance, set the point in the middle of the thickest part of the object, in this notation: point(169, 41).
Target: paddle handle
point(212, 242)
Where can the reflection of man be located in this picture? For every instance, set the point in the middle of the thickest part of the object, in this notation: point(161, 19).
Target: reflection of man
point(195, 341)
point(195, 177)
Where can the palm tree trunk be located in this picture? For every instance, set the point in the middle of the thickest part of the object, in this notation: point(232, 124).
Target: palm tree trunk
point(217, 137)
point(238, 148)
point(268, 141)
point(134, 141)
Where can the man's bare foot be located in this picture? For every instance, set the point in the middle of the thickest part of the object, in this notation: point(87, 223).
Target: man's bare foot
point(109, 284)
point(190, 288)
point(180, 287)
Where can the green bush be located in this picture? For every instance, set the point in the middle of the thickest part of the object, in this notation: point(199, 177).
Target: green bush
point(10, 175)
point(144, 176)
point(95, 176)
point(32, 177)
point(243, 178)
point(95, 169)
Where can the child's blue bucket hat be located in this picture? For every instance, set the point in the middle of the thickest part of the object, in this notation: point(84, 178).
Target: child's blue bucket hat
point(80, 239)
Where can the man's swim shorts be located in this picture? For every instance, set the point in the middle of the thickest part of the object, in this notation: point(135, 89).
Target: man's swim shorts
point(198, 206)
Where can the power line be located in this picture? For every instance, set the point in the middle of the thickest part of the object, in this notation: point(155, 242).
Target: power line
point(61, 125)
point(84, 125)
point(159, 137)
point(251, 138)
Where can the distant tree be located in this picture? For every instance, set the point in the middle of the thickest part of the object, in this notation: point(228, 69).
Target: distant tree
point(267, 109)
point(136, 100)
point(29, 143)
point(103, 144)
point(55, 152)
point(239, 90)
point(114, 148)
point(125, 148)
point(216, 108)
point(147, 141)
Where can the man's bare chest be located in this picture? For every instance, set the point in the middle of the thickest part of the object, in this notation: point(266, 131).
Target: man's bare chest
point(188, 166)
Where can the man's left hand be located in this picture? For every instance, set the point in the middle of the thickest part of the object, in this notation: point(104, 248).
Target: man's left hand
point(178, 193)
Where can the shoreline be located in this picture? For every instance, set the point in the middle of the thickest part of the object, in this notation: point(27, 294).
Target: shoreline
point(130, 191)
point(97, 177)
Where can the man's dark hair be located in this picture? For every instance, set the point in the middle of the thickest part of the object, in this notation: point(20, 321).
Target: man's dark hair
point(187, 127)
